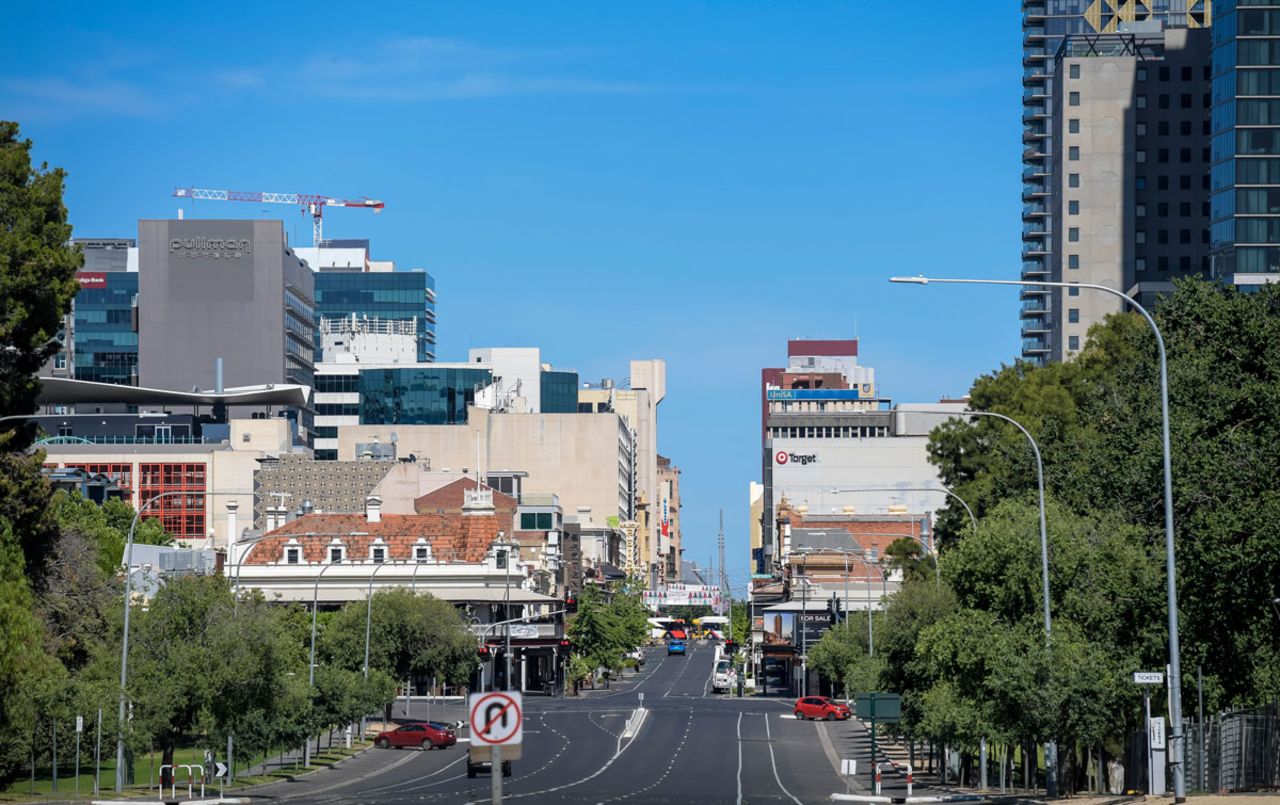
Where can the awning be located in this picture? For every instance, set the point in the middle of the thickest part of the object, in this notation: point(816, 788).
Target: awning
point(495, 595)
point(65, 391)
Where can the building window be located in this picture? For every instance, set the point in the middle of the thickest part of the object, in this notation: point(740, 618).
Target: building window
point(292, 555)
point(1140, 237)
point(1162, 182)
point(1184, 263)
point(1185, 128)
point(1140, 183)
point(421, 553)
point(1073, 208)
point(1184, 182)
point(1140, 264)
point(1073, 342)
point(337, 553)
point(1162, 101)
point(1073, 292)
point(1162, 128)
point(1184, 209)
point(1074, 71)
point(1140, 155)
point(1142, 74)
point(1073, 315)
point(378, 554)
point(1073, 180)
point(1140, 210)
point(1073, 234)
point(1184, 236)
point(1184, 154)
point(60, 361)
point(1162, 236)
point(1074, 99)
point(1142, 101)
point(1162, 155)
point(1073, 261)
point(1184, 100)
point(1073, 125)
point(1162, 209)
point(1073, 153)
point(1162, 263)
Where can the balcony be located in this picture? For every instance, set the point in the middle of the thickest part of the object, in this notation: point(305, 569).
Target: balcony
point(1035, 153)
point(1034, 78)
point(1035, 328)
point(1034, 193)
point(1035, 173)
point(1035, 210)
point(1034, 230)
point(1033, 250)
point(1034, 306)
point(1035, 346)
point(1035, 95)
point(1034, 131)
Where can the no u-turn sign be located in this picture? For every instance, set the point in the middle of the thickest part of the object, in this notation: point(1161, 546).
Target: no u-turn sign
point(497, 718)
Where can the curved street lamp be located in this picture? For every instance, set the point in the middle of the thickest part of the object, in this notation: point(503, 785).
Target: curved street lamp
point(1171, 569)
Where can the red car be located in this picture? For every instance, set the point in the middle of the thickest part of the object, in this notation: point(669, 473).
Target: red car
point(423, 734)
point(821, 707)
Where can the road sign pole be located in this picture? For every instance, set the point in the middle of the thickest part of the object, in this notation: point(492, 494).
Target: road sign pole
point(79, 729)
point(97, 756)
point(495, 774)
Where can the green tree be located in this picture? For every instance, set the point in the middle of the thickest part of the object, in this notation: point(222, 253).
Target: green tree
point(410, 635)
point(37, 284)
point(599, 636)
point(842, 655)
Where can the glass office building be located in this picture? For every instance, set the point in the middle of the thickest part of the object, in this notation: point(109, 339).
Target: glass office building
point(106, 343)
point(1245, 176)
point(423, 395)
point(1045, 23)
point(385, 295)
point(559, 392)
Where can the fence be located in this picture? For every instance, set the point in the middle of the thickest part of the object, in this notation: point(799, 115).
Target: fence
point(1234, 751)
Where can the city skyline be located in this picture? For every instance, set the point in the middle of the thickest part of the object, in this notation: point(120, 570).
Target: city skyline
point(688, 172)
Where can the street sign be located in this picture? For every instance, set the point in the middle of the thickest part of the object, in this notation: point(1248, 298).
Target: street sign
point(1148, 678)
point(79, 723)
point(876, 706)
point(497, 718)
point(219, 770)
point(849, 767)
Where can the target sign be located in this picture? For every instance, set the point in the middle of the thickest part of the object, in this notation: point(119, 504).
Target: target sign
point(782, 457)
point(497, 718)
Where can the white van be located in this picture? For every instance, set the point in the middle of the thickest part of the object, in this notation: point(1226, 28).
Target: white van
point(724, 677)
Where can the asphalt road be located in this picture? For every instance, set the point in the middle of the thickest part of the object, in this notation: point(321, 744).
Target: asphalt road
point(693, 746)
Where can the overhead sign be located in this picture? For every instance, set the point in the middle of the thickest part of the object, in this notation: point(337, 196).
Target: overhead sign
point(92, 279)
point(497, 718)
point(817, 394)
point(1148, 678)
point(683, 595)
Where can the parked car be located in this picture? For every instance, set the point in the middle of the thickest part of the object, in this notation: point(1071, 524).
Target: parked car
point(820, 707)
point(675, 647)
point(424, 734)
point(475, 767)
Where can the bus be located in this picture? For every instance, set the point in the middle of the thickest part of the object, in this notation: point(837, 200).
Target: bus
point(711, 627)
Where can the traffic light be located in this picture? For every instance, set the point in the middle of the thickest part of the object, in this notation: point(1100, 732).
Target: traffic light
point(570, 603)
point(564, 644)
point(484, 653)
point(731, 644)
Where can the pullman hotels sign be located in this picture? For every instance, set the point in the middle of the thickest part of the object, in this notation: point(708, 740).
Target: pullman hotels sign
point(210, 248)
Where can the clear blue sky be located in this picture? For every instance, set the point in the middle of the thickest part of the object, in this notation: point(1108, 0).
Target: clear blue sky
point(691, 181)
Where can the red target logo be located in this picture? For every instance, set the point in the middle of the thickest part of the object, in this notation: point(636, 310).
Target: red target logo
point(781, 458)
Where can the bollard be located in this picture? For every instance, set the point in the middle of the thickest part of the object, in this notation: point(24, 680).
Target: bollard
point(910, 779)
point(878, 779)
point(163, 766)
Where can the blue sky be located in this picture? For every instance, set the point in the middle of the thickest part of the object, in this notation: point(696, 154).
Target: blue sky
point(692, 181)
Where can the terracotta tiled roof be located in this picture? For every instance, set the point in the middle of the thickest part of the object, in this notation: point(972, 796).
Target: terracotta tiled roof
point(869, 534)
point(452, 537)
point(450, 497)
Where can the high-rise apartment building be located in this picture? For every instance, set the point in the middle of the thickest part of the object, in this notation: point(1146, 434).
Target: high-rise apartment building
point(1045, 24)
point(1129, 179)
point(1245, 178)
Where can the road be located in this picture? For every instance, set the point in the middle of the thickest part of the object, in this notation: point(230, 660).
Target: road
point(693, 746)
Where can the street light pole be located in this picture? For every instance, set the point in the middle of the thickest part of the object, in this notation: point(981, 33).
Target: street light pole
point(128, 594)
point(1171, 569)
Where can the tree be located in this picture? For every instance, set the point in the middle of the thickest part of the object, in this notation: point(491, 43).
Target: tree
point(37, 284)
point(1097, 419)
point(842, 655)
point(26, 672)
point(410, 635)
point(598, 635)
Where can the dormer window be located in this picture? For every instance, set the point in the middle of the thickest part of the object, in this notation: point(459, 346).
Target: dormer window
point(293, 555)
point(337, 552)
point(421, 551)
point(378, 554)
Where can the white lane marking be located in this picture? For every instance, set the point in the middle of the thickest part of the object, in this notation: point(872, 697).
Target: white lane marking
point(675, 755)
point(382, 770)
point(740, 758)
point(680, 676)
point(441, 770)
point(773, 761)
point(591, 776)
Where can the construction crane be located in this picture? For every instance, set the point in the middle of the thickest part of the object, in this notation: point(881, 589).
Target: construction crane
point(311, 203)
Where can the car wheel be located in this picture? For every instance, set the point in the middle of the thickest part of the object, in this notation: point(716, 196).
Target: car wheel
point(382, 743)
point(471, 773)
point(506, 768)
point(799, 716)
point(831, 716)
point(428, 745)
